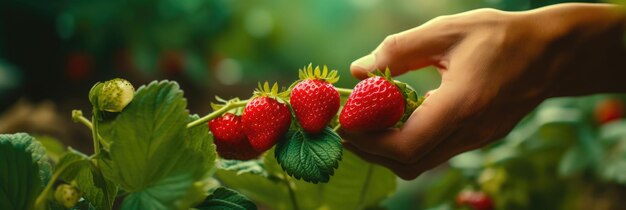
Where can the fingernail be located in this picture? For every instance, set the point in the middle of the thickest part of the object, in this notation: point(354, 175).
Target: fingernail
point(365, 63)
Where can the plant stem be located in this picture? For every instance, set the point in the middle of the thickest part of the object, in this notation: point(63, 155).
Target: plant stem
point(94, 134)
point(370, 169)
point(217, 113)
point(292, 194)
point(343, 91)
point(84, 121)
point(42, 196)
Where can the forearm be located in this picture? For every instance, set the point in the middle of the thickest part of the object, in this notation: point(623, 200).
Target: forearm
point(588, 45)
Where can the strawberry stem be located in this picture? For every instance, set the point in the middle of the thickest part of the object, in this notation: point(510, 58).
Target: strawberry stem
point(344, 91)
point(217, 113)
point(39, 201)
point(77, 116)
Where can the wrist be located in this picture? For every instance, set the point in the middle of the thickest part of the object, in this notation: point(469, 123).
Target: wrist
point(586, 45)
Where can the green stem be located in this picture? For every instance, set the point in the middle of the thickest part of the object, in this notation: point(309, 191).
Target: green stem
point(292, 193)
point(94, 134)
point(42, 196)
point(344, 91)
point(217, 113)
point(84, 121)
point(370, 169)
point(337, 127)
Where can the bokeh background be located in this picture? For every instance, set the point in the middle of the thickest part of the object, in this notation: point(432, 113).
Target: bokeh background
point(52, 51)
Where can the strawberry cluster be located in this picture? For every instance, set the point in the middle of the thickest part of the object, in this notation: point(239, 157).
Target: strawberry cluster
point(375, 104)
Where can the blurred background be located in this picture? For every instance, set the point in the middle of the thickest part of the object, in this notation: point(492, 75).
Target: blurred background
point(51, 52)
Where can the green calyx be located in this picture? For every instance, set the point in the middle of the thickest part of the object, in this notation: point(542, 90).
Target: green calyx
point(112, 95)
point(411, 99)
point(308, 72)
point(265, 90)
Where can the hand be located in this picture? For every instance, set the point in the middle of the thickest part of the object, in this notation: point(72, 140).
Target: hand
point(495, 67)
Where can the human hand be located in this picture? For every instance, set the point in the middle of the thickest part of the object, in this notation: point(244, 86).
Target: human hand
point(495, 67)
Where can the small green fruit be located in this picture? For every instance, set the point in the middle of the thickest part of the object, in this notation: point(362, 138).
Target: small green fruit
point(66, 195)
point(112, 95)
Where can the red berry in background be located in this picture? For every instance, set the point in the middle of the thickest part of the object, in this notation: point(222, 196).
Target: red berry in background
point(609, 110)
point(375, 104)
point(314, 100)
point(79, 66)
point(477, 200)
point(265, 121)
point(230, 139)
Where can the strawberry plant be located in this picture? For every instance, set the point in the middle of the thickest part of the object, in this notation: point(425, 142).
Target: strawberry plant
point(279, 148)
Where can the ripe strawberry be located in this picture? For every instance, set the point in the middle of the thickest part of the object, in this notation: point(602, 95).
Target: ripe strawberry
point(377, 103)
point(231, 141)
point(266, 119)
point(314, 99)
point(475, 199)
point(609, 110)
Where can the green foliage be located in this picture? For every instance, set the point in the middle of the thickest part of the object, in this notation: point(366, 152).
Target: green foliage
point(358, 185)
point(226, 199)
point(312, 158)
point(355, 185)
point(24, 170)
point(96, 189)
point(152, 155)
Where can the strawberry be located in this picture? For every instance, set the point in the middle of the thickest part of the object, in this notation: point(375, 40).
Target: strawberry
point(609, 110)
point(477, 200)
point(314, 99)
point(231, 141)
point(266, 118)
point(377, 103)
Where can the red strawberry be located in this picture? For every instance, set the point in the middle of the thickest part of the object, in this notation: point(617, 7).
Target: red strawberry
point(609, 110)
point(265, 119)
point(231, 141)
point(314, 100)
point(375, 104)
point(475, 199)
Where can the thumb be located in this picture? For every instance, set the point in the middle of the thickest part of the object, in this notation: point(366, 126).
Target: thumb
point(412, 49)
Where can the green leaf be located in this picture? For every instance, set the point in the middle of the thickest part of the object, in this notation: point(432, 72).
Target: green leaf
point(54, 148)
point(96, 189)
point(226, 199)
point(358, 184)
point(272, 191)
point(312, 158)
point(573, 161)
point(24, 170)
point(242, 167)
point(153, 155)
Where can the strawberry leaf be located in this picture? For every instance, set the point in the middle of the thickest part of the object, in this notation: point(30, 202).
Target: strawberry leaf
point(99, 191)
point(153, 154)
point(312, 158)
point(24, 170)
point(242, 167)
point(224, 198)
point(358, 184)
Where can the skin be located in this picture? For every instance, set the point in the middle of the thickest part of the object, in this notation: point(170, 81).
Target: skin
point(496, 67)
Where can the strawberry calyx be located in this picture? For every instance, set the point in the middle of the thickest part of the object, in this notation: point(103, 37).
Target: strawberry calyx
point(272, 92)
point(308, 72)
point(411, 99)
point(223, 102)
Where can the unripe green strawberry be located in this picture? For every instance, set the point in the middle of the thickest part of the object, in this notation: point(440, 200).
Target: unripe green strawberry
point(66, 195)
point(377, 103)
point(314, 99)
point(112, 95)
point(266, 118)
point(230, 139)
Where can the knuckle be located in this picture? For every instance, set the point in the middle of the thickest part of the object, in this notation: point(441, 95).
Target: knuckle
point(390, 45)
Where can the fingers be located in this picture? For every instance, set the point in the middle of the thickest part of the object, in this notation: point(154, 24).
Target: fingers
point(412, 49)
point(430, 124)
